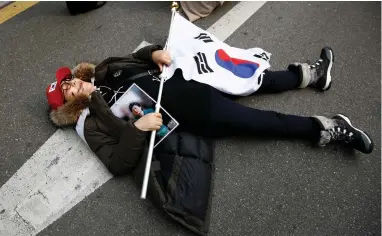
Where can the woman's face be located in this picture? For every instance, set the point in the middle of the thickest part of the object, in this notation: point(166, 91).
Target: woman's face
point(137, 110)
point(76, 87)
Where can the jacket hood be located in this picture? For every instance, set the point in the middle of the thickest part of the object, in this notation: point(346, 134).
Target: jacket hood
point(68, 113)
point(84, 71)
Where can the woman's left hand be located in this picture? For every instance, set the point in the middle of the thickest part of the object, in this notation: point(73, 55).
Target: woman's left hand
point(161, 57)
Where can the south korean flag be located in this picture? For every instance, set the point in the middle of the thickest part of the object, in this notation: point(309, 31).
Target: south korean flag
point(206, 59)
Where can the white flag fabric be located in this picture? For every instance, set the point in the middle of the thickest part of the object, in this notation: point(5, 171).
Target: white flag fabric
point(204, 58)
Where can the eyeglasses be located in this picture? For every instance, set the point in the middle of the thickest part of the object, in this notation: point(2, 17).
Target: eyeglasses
point(66, 82)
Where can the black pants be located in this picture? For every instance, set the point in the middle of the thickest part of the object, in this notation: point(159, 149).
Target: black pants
point(230, 118)
point(78, 7)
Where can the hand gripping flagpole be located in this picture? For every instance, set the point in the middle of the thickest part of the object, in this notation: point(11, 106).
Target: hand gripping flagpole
point(174, 7)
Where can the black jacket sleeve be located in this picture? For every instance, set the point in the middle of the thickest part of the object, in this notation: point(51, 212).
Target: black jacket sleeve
point(122, 156)
point(119, 153)
point(144, 53)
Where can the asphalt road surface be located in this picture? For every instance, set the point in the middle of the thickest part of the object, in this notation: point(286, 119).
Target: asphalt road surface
point(262, 186)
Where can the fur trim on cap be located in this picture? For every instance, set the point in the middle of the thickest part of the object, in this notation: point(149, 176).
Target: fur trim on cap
point(68, 113)
point(84, 71)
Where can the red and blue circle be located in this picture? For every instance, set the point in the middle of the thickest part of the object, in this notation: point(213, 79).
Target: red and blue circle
point(241, 68)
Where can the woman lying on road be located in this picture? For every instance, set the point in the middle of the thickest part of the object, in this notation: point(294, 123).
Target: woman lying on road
point(200, 110)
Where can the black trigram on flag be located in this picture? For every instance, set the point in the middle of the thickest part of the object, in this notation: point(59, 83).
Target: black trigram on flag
point(201, 63)
point(262, 56)
point(204, 37)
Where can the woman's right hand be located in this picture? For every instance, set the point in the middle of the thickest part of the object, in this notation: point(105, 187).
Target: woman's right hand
point(149, 122)
point(161, 58)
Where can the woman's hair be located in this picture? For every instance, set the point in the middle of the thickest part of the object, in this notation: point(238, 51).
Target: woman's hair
point(134, 104)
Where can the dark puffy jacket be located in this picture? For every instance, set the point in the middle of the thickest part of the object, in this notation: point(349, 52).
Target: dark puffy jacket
point(181, 179)
point(181, 173)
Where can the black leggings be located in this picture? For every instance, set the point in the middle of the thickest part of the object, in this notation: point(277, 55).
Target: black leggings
point(279, 81)
point(230, 118)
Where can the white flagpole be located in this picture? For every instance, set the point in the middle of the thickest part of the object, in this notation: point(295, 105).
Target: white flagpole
point(174, 7)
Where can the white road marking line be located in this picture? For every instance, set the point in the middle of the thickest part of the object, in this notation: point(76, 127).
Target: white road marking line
point(61, 173)
point(58, 176)
point(234, 18)
point(64, 170)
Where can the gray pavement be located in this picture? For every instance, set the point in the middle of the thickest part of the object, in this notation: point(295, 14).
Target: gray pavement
point(262, 187)
point(4, 3)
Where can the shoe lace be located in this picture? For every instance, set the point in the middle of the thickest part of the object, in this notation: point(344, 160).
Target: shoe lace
point(317, 67)
point(339, 133)
point(317, 64)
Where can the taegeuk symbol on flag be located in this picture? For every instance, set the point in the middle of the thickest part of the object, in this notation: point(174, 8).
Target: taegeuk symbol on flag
point(206, 59)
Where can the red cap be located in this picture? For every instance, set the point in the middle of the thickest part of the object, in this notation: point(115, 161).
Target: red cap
point(54, 91)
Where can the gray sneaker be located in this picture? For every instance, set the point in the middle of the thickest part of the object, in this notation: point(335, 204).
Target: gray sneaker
point(340, 129)
point(321, 69)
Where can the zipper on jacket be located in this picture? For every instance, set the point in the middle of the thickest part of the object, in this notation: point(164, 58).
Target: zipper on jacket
point(151, 72)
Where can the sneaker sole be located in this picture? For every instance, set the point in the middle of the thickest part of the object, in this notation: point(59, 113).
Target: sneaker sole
point(347, 120)
point(330, 55)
